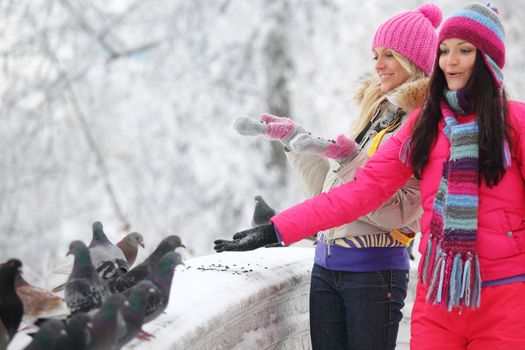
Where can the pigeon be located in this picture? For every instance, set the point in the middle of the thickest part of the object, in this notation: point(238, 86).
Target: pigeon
point(11, 307)
point(84, 289)
point(108, 259)
point(50, 336)
point(38, 302)
point(105, 324)
point(262, 212)
point(130, 246)
point(161, 278)
point(78, 328)
point(134, 311)
point(141, 271)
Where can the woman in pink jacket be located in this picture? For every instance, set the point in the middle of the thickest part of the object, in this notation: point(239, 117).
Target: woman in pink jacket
point(466, 147)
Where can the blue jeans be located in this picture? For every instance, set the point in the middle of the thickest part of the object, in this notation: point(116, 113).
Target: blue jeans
point(356, 310)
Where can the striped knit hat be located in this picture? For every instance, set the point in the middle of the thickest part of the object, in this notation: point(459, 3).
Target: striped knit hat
point(413, 35)
point(479, 25)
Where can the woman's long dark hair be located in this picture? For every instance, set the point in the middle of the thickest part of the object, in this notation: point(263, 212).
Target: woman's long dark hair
point(491, 108)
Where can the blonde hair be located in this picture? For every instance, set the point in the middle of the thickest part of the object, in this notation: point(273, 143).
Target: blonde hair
point(373, 96)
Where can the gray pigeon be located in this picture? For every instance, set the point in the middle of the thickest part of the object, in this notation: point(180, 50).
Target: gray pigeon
point(134, 311)
point(50, 336)
point(262, 212)
point(144, 269)
point(84, 289)
point(105, 324)
point(109, 261)
point(130, 246)
point(11, 307)
point(161, 278)
point(78, 328)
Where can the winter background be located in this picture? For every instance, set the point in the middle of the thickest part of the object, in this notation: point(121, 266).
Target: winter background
point(122, 111)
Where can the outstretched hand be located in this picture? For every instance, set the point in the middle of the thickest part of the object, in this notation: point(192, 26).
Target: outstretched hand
point(339, 150)
point(295, 137)
point(251, 239)
point(274, 128)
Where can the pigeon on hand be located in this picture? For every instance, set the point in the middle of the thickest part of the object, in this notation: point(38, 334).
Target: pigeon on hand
point(262, 212)
point(51, 335)
point(144, 269)
point(109, 261)
point(134, 312)
point(105, 323)
point(161, 278)
point(130, 246)
point(38, 302)
point(84, 289)
point(11, 307)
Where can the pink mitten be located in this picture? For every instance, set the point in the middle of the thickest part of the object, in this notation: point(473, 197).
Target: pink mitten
point(341, 149)
point(269, 118)
point(280, 130)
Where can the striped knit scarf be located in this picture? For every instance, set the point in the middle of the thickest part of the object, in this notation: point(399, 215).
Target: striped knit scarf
point(451, 266)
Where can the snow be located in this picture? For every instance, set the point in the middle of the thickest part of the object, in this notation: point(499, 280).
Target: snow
point(240, 300)
point(237, 300)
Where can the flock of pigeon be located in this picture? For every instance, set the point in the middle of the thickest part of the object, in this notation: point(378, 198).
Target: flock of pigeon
point(105, 301)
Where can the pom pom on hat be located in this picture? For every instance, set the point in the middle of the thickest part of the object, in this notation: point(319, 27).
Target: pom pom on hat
point(412, 34)
point(432, 13)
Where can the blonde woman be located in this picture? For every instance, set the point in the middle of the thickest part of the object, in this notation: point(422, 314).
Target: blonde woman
point(360, 274)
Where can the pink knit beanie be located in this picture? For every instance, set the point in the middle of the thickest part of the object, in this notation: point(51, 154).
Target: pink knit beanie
point(413, 35)
point(479, 25)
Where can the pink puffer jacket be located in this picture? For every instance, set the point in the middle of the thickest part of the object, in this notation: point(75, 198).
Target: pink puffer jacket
point(501, 213)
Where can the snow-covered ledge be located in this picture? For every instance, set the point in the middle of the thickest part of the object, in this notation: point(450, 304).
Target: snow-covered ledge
point(244, 300)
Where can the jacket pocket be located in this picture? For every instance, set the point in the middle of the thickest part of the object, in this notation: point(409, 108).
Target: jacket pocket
point(502, 239)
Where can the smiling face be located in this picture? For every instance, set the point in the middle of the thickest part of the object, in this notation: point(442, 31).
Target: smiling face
point(456, 59)
point(388, 68)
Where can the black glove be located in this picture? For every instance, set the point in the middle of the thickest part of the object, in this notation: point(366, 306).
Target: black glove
point(248, 240)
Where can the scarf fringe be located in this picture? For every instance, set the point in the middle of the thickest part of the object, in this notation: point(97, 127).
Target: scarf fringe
point(426, 261)
point(455, 279)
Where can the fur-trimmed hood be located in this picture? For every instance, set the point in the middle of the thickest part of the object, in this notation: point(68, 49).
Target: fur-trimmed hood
point(407, 96)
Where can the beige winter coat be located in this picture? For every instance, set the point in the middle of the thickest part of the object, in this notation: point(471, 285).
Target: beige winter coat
point(316, 174)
